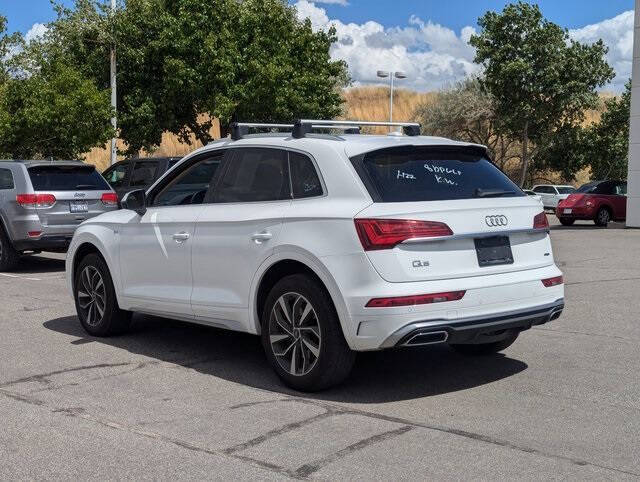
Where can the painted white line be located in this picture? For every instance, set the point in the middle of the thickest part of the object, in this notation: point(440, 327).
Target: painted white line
point(19, 277)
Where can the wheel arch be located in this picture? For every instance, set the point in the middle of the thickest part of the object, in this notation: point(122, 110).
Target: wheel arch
point(288, 262)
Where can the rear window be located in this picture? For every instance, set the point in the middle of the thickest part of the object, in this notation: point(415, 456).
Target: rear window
point(67, 178)
point(565, 190)
point(409, 174)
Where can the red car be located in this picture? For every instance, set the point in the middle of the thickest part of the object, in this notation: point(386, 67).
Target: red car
point(597, 201)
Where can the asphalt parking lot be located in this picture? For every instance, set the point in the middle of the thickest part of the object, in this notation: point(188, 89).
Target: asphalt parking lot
point(172, 400)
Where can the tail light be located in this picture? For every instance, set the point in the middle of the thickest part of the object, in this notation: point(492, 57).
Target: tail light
point(386, 233)
point(415, 300)
point(36, 200)
point(549, 282)
point(540, 221)
point(109, 199)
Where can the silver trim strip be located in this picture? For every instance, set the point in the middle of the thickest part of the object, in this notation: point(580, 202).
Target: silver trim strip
point(354, 123)
point(486, 234)
point(515, 315)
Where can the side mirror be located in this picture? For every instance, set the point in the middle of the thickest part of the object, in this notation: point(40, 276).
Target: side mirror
point(135, 201)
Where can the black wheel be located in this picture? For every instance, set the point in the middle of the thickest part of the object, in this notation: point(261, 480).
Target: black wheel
point(302, 336)
point(9, 257)
point(567, 221)
point(482, 349)
point(95, 298)
point(602, 217)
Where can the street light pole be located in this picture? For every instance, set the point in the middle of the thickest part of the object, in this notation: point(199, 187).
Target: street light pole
point(398, 75)
point(114, 99)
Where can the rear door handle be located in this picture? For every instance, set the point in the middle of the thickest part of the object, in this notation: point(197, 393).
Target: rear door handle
point(180, 237)
point(260, 238)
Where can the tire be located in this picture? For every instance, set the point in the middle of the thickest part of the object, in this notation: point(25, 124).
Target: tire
point(95, 299)
point(603, 217)
point(484, 349)
point(9, 257)
point(566, 221)
point(304, 344)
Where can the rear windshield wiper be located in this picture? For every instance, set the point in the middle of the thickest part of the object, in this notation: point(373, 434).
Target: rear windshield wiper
point(491, 192)
point(85, 186)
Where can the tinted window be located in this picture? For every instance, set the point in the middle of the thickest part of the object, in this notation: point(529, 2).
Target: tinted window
point(144, 172)
point(172, 162)
point(255, 174)
point(67, 178)
point(191, 185)
point(588, 188)
point(544, 190)
point(116, 176)
point(304, 178)
point(426, 174)
point(565, 190)
point(6, 179)
point(621, 189)
point(605, 188)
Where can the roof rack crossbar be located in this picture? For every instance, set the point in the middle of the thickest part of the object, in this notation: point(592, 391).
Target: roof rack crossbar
point(240, 129)
point(409, 128)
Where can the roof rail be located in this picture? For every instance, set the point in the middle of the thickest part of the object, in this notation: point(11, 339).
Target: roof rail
point(304, 126)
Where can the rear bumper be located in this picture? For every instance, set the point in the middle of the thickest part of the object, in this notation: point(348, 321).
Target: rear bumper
point(580, 212)
point(477, 329)
point(44, 243)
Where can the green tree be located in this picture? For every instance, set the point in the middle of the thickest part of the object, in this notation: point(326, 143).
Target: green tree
point(180, 59)
point(466, 112)
point(541, 79)
point(607, 141)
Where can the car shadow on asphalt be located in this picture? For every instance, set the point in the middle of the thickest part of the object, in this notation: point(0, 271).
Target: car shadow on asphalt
point(587, 226)
point(35, 264)
point(377, 377)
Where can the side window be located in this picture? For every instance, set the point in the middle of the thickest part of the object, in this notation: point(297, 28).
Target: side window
point(191, 184)
point(255, 174)
point(144, 173)
point(117, 175)
point(621, 189)
point(6, 179)
point(605, 188)
point(553, 190)
point(540, 189)
point(304, 178)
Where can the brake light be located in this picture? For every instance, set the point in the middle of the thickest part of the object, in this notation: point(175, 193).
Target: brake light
point(109, 199)
point(36, 200)
point(34, 234)
point(540, 221)
point(549, 282)
point(415, 300)
point(386, 233)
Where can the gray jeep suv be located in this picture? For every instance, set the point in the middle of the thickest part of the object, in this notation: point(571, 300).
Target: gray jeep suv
point(42, 203)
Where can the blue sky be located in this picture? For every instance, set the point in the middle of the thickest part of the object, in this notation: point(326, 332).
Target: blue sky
point(425, 38)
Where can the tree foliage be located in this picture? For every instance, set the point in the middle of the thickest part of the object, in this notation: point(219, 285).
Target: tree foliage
point(541, 79)
point(179, 59)
point(466, 112)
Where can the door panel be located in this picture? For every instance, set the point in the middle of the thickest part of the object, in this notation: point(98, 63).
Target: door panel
point(155, 259)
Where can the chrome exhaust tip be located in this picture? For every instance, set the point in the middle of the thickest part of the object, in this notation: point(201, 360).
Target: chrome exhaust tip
point(427, 338)
point(555, 315)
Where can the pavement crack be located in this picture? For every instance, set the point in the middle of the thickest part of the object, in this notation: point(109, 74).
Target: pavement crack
point(308, 469)
point(22, 398)
point(592, 281)
point(44, 377)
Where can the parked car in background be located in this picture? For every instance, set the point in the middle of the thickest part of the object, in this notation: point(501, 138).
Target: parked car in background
point(137, 173)
point(42, 203)
point(325, 245)
point(597, 201)
point(551, 194)
point(535, 196)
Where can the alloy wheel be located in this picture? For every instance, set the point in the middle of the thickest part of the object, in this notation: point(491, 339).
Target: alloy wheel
point(92, 295)
point(603, 216)
point(294, 334)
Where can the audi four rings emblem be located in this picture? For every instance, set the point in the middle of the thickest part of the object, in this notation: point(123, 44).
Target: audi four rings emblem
point(496, 220)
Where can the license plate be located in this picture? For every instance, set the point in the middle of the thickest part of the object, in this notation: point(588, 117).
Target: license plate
point(567, 211)
point(493, 251)
point(78, 207)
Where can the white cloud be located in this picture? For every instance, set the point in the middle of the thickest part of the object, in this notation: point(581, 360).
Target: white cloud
point(344, 3)
point(36, 31)
point(617, 34)
point(430, 54)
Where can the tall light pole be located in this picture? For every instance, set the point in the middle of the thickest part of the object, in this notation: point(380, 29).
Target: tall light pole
point(114, 98)
point(398, 75)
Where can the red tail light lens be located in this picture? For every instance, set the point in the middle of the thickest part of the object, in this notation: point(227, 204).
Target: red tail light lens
point(557, 280)
point(540, 221)
point(387, 233)
point(415, 300)
point(36, 200)
point(110, 199)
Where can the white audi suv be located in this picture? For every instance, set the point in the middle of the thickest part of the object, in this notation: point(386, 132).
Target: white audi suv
point(325, 245)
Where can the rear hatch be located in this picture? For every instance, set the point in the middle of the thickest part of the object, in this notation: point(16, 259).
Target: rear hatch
point(70, 193)
point(442, 212)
